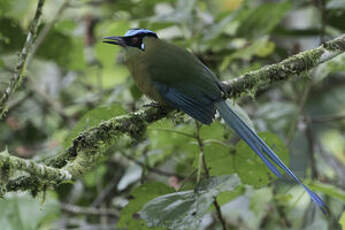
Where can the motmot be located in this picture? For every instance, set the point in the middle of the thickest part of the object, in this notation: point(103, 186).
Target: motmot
point(174, 77)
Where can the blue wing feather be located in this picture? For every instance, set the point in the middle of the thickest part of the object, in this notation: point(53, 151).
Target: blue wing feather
point(202, 109)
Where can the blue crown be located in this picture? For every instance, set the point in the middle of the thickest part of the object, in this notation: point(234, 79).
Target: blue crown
point(134, 32)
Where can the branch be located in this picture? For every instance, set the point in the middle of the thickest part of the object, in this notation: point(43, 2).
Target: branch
point(151, 169)
point(10, 164)
point(39, 170)
point(285, 70)
point(329, 118)
point(91, 144)
point(43, 34)
point(78, 210)
point(24, 56)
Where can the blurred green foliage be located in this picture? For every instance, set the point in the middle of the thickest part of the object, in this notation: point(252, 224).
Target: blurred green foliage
point(75, 82)
point(27, 213)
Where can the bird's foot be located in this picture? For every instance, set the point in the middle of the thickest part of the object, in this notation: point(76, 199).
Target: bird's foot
point(153, 104)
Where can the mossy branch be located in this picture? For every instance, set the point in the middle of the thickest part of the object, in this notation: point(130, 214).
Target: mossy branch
point(24, 56)
point(10, 164)
point(91, 144)
point(86, 150)
point(286, 69)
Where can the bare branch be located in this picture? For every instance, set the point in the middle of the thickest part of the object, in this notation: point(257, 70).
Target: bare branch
point(89, 210)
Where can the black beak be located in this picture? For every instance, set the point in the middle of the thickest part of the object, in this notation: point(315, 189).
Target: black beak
point(115, 40)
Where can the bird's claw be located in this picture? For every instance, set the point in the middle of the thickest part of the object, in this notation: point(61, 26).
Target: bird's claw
point(153, 104)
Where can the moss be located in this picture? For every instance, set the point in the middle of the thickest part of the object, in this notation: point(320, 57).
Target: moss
point(336, 45)
point(23, 183)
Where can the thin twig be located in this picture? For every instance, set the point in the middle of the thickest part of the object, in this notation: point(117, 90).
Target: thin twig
point(330, 118)
point(153, 170)
point(214, 141)
point(201, 148)
point(146, 163)
point(89, 210)
point(21, 66)
point(311, 148)
point(15, 104)
point(43, 34)
point(107, 190)
point(173, 131)
point(202, 162)
point(302, 102)
point(187, 178)
point(323, 11)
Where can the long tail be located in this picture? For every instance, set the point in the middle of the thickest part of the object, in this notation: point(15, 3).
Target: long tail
point(262, 149)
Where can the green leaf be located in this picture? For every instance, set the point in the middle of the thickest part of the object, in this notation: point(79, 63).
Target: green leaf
point(227, 196)
point(342, 221)
point(93, 118)
point(259, 201)
point(214, 131)
point(250, 167)
point(27, 213)
point(223, 159)
point(219, 159)
point(129, 217)
point(184, 210)
point(168, 138)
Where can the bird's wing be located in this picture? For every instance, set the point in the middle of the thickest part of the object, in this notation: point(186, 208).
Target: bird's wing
point(201, 109)
point(184, 82)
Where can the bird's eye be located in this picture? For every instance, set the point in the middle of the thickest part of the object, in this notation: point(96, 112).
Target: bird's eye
point(135, 40)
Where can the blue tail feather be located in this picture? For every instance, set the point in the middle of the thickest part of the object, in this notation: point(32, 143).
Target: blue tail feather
point(261, 148)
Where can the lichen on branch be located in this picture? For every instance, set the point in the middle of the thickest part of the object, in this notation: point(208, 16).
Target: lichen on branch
point(286, 69)
point(10, 164)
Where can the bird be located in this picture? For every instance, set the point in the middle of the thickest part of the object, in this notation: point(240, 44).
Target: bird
point(174, 77)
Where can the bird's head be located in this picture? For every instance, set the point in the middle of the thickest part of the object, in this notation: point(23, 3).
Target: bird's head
point(133, 38)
